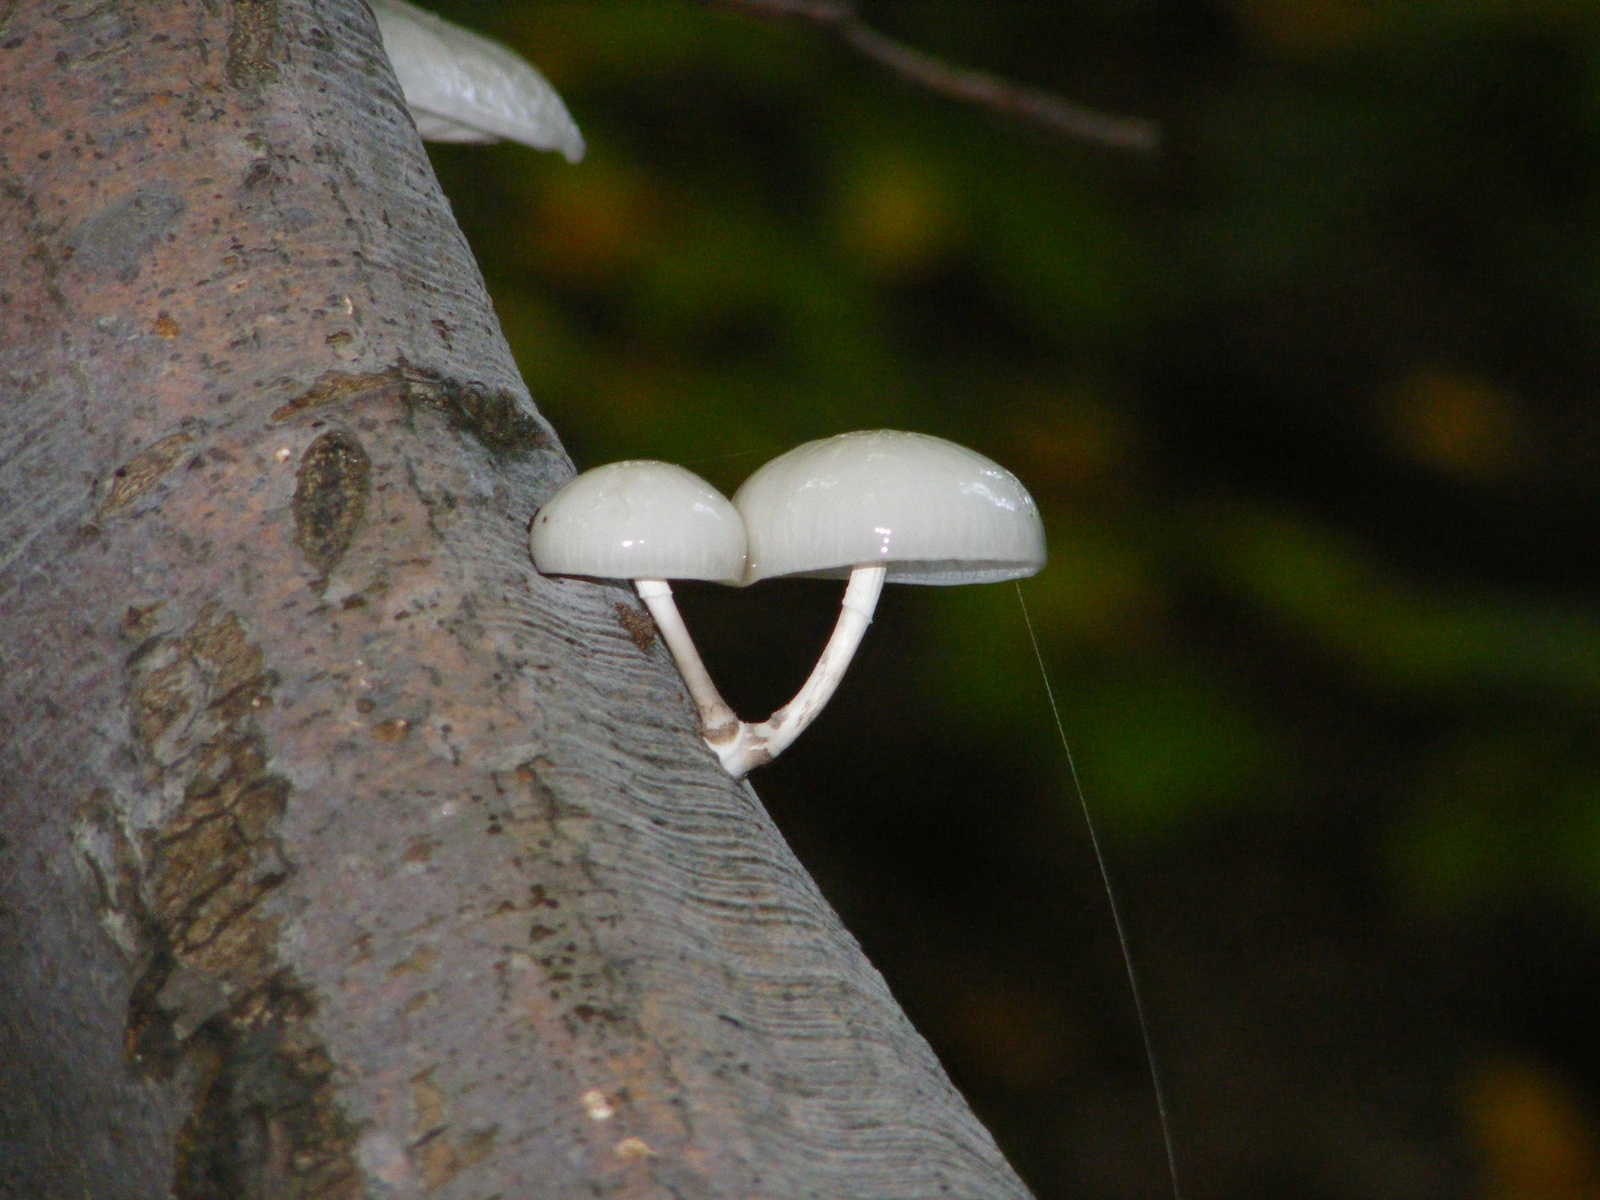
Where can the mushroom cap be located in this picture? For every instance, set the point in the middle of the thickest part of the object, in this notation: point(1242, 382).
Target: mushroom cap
point(928, 509)
point(462, 87)
point(639, 520)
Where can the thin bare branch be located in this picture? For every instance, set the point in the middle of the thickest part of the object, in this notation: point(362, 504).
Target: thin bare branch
point(1036, 107)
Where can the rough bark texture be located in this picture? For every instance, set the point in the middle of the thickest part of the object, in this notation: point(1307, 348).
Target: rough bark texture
point(343, 854)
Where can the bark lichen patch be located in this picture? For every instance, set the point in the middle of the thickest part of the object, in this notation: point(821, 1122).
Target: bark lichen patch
point(216, 857)
point(134, 477)
point(340, 387)
point(581, 987)
point(116, 238)
point(93, 33)
point(494, 417)
point(330, 498)
point(440, 1157)
point(141, 620)
point(491, 415)
point(265, 1124)
point(392, 731)
point(211, 1004)
point(187, 689)
point(253, 44)
point(637, 624)
point(219, 859)
point(112, 862)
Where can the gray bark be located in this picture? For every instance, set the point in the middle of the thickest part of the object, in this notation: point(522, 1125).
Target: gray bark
point(343, 854)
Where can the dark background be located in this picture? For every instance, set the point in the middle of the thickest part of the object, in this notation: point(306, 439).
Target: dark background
point(1308, 402)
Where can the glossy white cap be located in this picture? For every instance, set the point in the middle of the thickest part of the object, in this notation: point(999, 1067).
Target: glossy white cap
point(929, 510)
point(462, 87)
point(639, 520)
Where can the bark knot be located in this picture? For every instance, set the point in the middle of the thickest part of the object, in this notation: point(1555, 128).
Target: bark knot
point(330, 498)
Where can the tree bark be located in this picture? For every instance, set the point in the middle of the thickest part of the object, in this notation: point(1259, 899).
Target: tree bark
point(343, 854)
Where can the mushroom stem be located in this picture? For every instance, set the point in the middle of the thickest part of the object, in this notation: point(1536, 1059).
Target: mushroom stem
point(742, 746)
point(716, 718)
point(758, 744)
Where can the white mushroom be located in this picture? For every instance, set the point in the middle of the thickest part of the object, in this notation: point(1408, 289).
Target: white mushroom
point(882, 505)
point(462, 87)
point(648, 522)
point(877, 505)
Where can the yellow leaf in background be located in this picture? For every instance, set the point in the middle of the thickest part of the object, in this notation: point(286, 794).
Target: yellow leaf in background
point(1020, 1038)
point(588, 225)
point(1068, 444)
point(1293, 25)
point(1534, 1133)
point(1457, 424)
point(894, 215)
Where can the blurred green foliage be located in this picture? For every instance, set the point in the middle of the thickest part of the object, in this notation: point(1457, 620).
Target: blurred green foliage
point(1307, 399)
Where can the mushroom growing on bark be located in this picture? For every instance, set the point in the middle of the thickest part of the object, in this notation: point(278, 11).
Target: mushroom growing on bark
point(879, 506)
point(648, 522)
point(876, 506)
point(462, 87)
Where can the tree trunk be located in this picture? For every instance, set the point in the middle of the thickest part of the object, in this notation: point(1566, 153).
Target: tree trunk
point(343, 853)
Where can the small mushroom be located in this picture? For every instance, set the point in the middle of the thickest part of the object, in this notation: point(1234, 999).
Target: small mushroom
point(876, 506)
point(648, 522)
point(462, 87)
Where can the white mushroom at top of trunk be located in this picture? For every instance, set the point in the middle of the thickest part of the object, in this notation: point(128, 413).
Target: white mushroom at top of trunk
point(648, 522)
point(462, 87)
point(877, 505)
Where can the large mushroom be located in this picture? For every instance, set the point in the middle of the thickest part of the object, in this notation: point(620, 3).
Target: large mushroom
point(878, 506)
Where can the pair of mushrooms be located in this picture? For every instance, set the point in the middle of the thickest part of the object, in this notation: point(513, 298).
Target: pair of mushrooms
point(877, 506)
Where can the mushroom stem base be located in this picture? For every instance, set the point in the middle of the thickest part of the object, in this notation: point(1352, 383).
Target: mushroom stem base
point(740, 745)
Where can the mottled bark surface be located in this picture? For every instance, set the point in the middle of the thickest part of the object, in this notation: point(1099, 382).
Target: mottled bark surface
point(343, 854)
